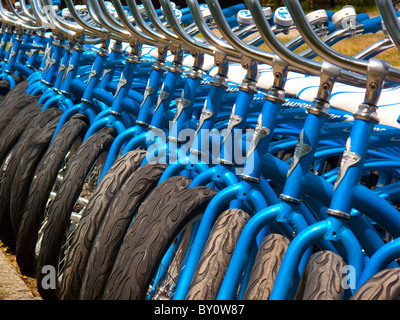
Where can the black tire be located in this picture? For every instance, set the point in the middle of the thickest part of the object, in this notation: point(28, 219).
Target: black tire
point(73, 187)
point(19, 91)
point(25, 172)
point(216, 255)
point(141, 253)
point(78, 253)
point(15, 129)
point(55, 159)
point(385, 285)
point(14, 105)
point(10, 166)
point(322, 278)
point(5, 85)
point(120, 214)
point(157, 199)
point(266, 266)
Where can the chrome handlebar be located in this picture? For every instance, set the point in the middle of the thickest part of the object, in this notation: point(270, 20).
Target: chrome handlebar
point(9, 18)
point(349, 63)
point(230, 46)
point(95, 10)
point(16, 14)
point(392, 23)
point(191, 42)
point(95, 29)
point(130, 27)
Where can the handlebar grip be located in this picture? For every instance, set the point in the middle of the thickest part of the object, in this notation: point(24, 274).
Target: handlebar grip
point(330, 13)
point(233, 9)
point(372, 25)
point(229, 12)
point(185, 10)
point(375, 24)
point(331, 27)
point(232, 21)
point(361, 17)
point(187, 18)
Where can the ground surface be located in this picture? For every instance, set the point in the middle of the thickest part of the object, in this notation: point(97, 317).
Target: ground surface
point(14, 285)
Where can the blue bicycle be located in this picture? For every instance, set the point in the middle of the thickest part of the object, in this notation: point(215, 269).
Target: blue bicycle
point(197, 198)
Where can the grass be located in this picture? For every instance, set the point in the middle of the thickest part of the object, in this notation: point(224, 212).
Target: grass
point(355, 45)
point(358, 43)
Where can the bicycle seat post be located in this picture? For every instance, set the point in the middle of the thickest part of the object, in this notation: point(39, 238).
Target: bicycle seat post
point(247, 90)
point(357, 144)
point(219, 82)
point(309, 139)
point(274, 98)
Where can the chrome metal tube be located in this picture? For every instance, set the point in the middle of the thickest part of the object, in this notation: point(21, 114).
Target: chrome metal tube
point(138, 34)
point(349, 63)
point(177, 28)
